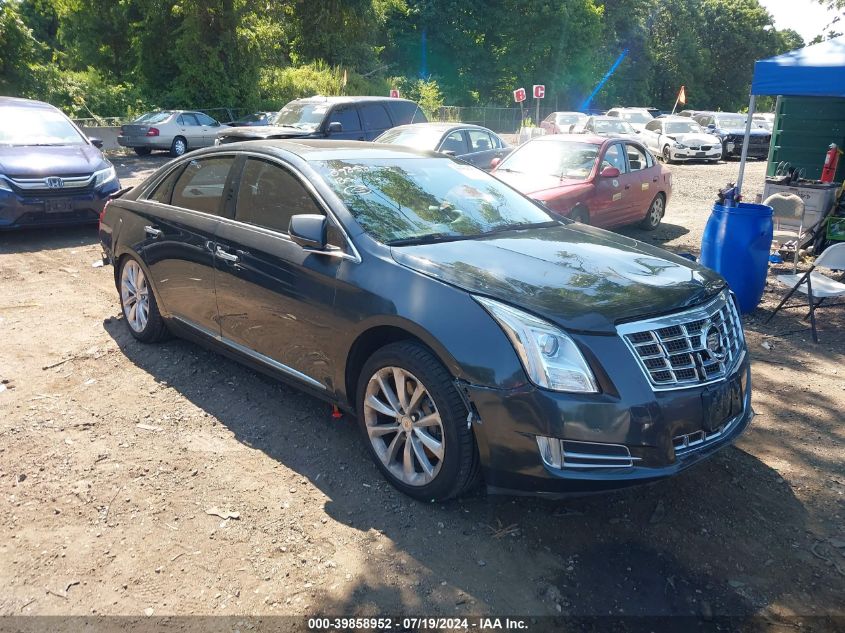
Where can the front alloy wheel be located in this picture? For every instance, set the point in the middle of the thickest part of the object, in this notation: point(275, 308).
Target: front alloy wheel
point(404, 426)
point(415, 423)
point(667, 155)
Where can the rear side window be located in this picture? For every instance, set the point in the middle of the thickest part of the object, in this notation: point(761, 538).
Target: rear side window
point(201, 185)
point(269, 195)
point(188, 119)
point(348, 117)
point(375, 116)
point(405, 112)
point(164, 191)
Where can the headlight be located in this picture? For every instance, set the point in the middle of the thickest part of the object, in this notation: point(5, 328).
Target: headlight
point(550, 358)
point(104, 175)
point(4, 186)
point(680, 146)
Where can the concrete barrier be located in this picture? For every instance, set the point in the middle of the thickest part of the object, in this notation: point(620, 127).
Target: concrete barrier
point(107, 134)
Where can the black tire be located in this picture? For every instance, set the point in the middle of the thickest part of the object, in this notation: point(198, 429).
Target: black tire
point(153, 328)
point(666, 155)
point(179, 146)
point(580, 214)
point(143, 151)
point(458, 469)
point(655, 213)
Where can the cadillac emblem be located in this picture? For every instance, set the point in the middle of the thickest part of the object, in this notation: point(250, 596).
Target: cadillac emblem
point(713, 343)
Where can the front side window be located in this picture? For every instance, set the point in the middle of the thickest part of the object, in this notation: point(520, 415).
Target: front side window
point(37, 126)
point(269, 195)
point(402, 201)
point(613, 157)
point(204, 119)
point(348, 118)
point(454, 142)
point(479, 141)
point(201, 185)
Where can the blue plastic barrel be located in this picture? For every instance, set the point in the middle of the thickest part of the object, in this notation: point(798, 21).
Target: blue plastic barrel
point(736, 243)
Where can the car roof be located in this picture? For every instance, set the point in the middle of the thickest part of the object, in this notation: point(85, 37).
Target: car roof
point(670, 118)
point(569, 112)
point(604, 117)
point(440, 126)
point(591, 139)
point(349, 99)
point(26, 103)
point(630, 109)
point(322, 149)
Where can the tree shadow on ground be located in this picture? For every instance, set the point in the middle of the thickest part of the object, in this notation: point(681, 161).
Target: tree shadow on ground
point(725, 538)
point(47, 238)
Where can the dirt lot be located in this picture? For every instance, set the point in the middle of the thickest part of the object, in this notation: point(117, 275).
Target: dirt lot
point(114, 454)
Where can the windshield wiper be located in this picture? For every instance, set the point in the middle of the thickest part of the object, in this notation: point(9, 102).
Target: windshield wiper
point(521, 227)
point(429, 239)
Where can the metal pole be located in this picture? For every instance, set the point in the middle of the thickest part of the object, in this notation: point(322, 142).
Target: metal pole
point(537, 117)
point(745, 141)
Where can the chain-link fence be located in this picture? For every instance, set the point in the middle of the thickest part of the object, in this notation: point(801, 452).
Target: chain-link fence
point(501, 120)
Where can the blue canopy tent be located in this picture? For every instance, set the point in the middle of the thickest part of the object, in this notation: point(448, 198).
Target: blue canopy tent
point(813, 71)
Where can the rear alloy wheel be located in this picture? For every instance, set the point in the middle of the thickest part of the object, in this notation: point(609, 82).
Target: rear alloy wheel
point(655, 213)
point(179, 146)
point(139, 304)
point(667, 155)
point(415, 423)
point(143, 151)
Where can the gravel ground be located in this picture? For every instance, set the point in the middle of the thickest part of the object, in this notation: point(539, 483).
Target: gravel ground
point(117, 460)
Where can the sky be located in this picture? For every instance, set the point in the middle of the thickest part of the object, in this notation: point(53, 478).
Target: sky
point(808, 17)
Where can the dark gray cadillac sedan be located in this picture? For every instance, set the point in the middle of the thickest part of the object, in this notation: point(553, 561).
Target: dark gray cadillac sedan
point(474, 335)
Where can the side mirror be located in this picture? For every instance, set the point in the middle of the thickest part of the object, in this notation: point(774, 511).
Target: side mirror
point(309, 231)
point(96, 142)
point(711, 126)
point(334, 127)
point(449, 152)
point(610, 172)
point(495, 162)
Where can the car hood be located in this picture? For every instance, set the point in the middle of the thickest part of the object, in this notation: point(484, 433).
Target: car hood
point(695, 139)
point(532, 183)
point(30, 161)
point(245, 133)
point(581, 278)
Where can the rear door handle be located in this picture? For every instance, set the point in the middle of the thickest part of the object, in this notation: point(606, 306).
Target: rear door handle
point(229, 257)
point(152, 231)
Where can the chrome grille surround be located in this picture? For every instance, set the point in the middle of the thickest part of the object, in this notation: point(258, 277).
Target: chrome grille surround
point(42, 184)
point(673, 351)
point(578, 455)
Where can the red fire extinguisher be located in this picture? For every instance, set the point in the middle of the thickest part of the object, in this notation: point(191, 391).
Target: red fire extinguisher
point(831, 160)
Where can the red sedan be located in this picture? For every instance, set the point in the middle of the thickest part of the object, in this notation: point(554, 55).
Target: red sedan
point(600, 181)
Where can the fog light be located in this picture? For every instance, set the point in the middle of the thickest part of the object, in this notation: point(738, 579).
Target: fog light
point(550, 451)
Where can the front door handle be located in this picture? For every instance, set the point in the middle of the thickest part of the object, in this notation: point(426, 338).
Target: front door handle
point(229, 257)
point(152, 231)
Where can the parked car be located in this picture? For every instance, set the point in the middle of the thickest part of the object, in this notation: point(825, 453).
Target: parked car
point(341, 118)
point(254, 119)
point(176, 131)
point(564, 122)
point(471, 143)
point(50, 172)
point(637, 117)
point(680, 138)
point(471, 333)
point(730, 128)
point(609, 126)
point(595, 180)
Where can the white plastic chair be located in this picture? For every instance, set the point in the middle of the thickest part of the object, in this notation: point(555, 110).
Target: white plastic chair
point(816, 285)
point(788, 215)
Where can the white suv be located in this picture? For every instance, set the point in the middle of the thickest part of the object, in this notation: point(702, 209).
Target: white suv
point(637, 117)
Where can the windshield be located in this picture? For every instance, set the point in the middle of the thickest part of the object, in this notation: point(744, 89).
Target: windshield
point(31, 126)
point(305, 116)
point(730, 121)
point(568, 119)
point(418, 138)
point(612, 126)
point(683, 127)
point(153, 117)
point(553, 158)
point(413, 200)
point(636, 117)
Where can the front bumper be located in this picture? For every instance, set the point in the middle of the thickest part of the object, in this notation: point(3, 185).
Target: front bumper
point(49, 209)
point(714, 153)
point(755, 150)
point(647, 423)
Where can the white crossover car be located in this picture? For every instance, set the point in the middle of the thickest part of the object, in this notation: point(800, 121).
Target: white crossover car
point(676, 138)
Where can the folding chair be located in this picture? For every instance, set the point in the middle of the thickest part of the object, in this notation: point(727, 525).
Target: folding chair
point(788, 216)
point(816, 285)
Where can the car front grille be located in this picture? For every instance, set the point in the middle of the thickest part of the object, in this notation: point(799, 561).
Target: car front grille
point(688, 349)
point(691, 442)
point(53, 186)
